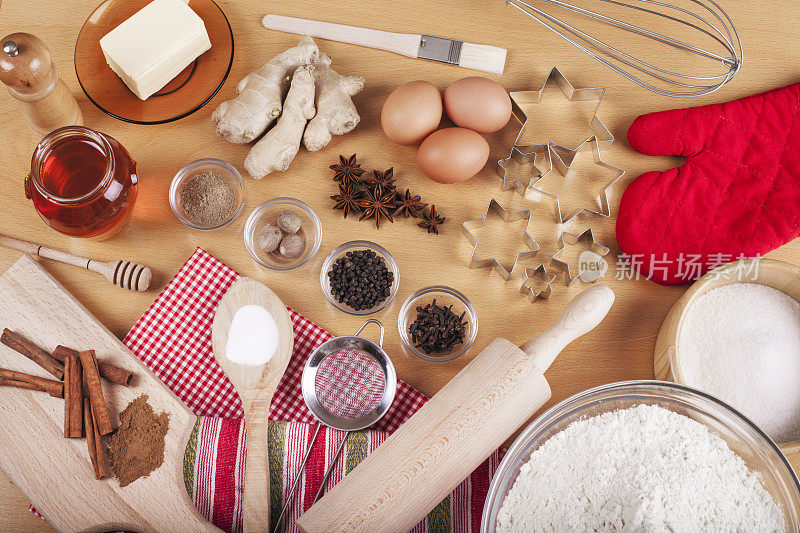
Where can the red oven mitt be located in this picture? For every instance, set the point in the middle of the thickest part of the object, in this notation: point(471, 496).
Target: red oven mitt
point(737, 195)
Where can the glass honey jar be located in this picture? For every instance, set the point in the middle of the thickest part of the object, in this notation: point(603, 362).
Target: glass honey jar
point(83, 183)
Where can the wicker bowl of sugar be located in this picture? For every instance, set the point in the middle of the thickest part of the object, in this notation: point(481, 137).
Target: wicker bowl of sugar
point(735, 334)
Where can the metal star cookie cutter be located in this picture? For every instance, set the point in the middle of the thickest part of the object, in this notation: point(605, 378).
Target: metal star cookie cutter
point(546, 277)
point(560, 164)
point(573, 240)
point(522, 155)
point(519, 99)
point(506, 216)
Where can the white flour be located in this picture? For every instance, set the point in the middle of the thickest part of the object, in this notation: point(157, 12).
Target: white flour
point(741, 343)
point(640, 469)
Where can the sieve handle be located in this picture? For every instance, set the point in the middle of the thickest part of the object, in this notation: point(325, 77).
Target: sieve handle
point(329, 471)
point(372, 321)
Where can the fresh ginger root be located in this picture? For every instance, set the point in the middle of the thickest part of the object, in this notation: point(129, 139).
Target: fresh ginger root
point(336, 113)
point(278, 147)
point(260, 95)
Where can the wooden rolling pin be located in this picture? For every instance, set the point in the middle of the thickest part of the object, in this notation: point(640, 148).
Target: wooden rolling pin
point(125, 274)
point(27, 69)
point(437, 448)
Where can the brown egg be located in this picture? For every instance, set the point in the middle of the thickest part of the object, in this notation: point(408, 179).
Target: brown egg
point(452, 155)
point(477, 103)
point(411, 112)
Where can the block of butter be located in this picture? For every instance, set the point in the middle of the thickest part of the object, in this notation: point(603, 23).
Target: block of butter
point(155, 45)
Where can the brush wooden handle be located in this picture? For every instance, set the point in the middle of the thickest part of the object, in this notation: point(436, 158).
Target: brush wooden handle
point(125, 274)
point(442, 443)
point(406, 44)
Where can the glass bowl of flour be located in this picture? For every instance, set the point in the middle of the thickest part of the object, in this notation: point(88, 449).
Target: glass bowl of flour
point(643, 456)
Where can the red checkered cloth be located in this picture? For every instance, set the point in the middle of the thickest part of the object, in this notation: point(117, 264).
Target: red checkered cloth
point(173, 338)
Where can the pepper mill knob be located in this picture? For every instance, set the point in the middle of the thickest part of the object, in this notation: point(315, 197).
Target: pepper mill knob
point(27, 69)
point(10, 48)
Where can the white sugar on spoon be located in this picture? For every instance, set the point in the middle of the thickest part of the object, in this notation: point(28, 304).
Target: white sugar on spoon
point(252, 336)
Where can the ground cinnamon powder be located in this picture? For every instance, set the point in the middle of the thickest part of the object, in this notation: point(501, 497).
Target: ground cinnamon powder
point(208, 199)
point(136, 448)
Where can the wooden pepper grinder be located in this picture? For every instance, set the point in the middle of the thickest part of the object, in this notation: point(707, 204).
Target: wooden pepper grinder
point(27, 69)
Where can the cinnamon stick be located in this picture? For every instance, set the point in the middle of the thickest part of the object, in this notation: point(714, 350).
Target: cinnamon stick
point(108, 371)
point(19, 384)
point(96, 454)
point(54, 388)
point(100, 453)
point(22, 345)
point(92, 376)
point(73, 398)
point(69, 370)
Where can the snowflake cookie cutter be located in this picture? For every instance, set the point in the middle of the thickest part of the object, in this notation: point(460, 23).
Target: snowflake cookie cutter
point(505, 216)
point(520, 99)
point(563, 164)
point(522, 156)
point(546, 278)
point(570, 239)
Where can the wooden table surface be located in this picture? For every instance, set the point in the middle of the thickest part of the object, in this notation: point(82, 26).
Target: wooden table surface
point(621, 348)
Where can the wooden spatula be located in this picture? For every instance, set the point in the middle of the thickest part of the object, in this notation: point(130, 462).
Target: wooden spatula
point(255, 385)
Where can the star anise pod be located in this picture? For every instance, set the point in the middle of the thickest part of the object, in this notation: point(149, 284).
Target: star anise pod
point(348, 171)
point(431, 221)
point(408, 205)
point(348, 199)
point(381, 183)
point(377, 207)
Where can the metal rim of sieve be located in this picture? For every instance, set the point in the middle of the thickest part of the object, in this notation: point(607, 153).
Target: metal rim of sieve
point(363, 345)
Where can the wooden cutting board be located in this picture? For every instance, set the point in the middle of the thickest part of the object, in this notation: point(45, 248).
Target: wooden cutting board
point(54, 472)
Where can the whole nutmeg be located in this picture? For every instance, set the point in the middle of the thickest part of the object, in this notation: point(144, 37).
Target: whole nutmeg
point(269, 238)
point(289, 221)
point(292, 246)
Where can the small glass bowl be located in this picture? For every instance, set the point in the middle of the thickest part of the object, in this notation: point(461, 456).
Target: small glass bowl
point(201, 166)
point(349, 247)
point(444, 296)
point(267, 213)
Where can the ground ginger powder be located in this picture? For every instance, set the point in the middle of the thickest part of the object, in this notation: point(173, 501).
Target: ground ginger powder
point(136, 448)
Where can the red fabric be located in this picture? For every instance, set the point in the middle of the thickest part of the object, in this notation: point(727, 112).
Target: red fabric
point(225, 500)
point(737, 195)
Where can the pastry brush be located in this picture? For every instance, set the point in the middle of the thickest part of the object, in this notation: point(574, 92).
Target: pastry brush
point(468, 55)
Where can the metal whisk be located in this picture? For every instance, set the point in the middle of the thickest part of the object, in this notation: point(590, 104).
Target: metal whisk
point(704, 17)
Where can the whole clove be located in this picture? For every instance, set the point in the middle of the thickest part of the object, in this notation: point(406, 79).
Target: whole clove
point(437, 329)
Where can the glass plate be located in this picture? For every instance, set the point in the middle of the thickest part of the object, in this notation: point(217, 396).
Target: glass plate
point(188, 92)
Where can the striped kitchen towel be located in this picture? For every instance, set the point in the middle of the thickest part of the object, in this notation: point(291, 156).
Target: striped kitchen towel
point(173, 338)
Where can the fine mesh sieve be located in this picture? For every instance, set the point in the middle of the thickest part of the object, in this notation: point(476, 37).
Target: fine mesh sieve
point(348, 384)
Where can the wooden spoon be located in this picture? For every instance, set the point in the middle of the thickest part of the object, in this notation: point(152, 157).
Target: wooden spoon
point(255, 385)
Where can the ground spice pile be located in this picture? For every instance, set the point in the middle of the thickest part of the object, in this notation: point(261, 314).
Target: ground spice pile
point(136, 448)
point(207, 199)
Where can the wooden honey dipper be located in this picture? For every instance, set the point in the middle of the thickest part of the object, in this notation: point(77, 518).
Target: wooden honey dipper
point(125, 274)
